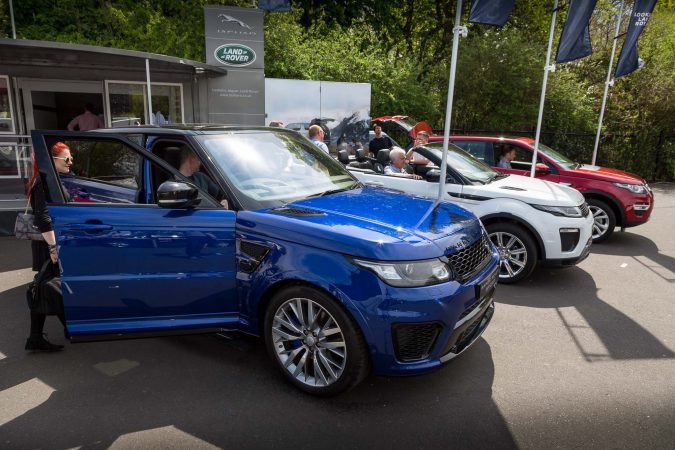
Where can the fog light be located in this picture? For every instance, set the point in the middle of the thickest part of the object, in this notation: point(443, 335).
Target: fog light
point(569, 238)
point(641, 206)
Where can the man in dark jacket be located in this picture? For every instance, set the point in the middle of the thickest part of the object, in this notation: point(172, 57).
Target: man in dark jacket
point(379, 142)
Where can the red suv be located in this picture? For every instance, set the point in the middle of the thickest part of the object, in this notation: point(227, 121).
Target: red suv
point(616, 198)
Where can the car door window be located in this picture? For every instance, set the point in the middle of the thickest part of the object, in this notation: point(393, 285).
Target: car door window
point(478, 149)
point(177, 153)
point(523, 159)
point(110, 172)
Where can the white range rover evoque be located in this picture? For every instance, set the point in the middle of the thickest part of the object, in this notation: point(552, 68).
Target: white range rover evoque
point(530, 221)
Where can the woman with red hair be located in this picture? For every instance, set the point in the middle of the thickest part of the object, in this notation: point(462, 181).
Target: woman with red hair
point(45, 250)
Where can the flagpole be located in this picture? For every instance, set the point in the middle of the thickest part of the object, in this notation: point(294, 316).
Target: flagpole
point(11, 17)
point(451, 91)
point(547, 68)
point(608, 83)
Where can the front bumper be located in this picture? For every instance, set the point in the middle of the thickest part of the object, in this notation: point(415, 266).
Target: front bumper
point(566, 262)
point(638, 210)
point(415, 330)
point(558, 251)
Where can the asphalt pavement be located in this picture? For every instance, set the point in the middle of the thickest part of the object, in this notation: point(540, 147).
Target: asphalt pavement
point(582, 357)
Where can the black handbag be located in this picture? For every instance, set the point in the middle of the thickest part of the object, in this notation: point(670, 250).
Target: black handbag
point(24, 227)
point(44, 294)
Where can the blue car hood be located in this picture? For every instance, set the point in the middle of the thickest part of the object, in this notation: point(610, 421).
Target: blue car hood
point(368, 222)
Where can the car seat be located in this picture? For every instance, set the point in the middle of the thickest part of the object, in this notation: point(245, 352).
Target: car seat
point(343, 156)
point(362, 162)
point(382, 160)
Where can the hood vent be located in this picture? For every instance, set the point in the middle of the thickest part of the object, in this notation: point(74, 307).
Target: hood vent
point(511, 188)
point(296, 212)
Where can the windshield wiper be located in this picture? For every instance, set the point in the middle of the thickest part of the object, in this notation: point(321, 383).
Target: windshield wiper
point(354, 185)
point(497, 176)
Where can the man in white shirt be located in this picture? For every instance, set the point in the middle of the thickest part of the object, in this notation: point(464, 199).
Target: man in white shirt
point(398, 163)
point(316, 135)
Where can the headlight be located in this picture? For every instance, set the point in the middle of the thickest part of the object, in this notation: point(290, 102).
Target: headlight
point(563, 211)
point(634, 188)
point(409, 273)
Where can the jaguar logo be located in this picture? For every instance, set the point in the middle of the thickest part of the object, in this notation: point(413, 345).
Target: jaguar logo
point(236, 55)
point(225, 18)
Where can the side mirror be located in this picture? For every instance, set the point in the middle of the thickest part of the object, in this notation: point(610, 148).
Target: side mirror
point(542, 169)
point(176, 194)
point(433, 175)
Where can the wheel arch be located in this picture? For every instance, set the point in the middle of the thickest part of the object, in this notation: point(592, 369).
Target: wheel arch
point(279, 286)
point(506, 217)
point(610, 200)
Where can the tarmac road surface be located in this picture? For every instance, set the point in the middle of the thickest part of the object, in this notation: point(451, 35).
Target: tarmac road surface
point(575, 358)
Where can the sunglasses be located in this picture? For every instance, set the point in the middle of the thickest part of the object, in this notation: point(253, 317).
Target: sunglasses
point(67, 159)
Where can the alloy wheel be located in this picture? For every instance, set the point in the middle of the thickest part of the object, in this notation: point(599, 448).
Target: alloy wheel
point(308, 342)
point(512, 253)
point(600, 221)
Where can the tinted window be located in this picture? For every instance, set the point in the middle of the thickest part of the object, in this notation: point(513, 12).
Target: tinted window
point(106, 171)
point(108, 161)
point(479, 149)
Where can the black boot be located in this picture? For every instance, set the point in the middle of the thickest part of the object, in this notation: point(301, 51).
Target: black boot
point(40, 344)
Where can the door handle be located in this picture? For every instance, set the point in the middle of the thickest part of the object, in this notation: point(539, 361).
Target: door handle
point(90, 227)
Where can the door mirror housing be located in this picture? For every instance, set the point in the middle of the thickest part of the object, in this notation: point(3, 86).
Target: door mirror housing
point(176, 194)
point(542, 169)
point(433, 175)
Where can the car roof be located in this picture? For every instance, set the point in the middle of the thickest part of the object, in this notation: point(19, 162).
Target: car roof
point(185, 129)
point(502, 138)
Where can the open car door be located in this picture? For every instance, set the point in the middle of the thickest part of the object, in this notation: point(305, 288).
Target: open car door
point(127, 264)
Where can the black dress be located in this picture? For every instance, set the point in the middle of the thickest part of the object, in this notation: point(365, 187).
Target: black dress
point(43, 222)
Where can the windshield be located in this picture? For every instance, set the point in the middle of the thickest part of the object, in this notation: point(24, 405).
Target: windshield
point(468, 166)
point(268, 169)
point(557, 157)
point(408, 123)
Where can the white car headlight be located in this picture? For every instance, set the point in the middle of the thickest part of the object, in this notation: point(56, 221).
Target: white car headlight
point(409, 273)
point(563, 211)
point(634, 188)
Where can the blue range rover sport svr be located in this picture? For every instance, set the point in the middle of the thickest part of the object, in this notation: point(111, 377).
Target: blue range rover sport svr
point(165, 230)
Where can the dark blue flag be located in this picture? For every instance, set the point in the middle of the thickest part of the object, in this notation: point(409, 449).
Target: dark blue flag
point(628, 58)
point(275, 5)
point(490, 12)
point(575, 40)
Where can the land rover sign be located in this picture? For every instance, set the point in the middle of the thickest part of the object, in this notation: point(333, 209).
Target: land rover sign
point(235, 55)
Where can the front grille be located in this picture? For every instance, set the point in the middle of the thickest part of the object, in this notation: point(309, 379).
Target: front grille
point(413, 342)
point(469, 261)
point(585, 210)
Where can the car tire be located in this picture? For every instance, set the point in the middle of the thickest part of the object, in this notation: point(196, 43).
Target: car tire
point(604, 219)
point(517, 251)
point(314, 361)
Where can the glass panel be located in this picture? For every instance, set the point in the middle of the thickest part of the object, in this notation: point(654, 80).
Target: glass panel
point(271, 169)
point(166, 104)
point(127, 104)
point(102, 171)
point(9, 163)
point(6, 122)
